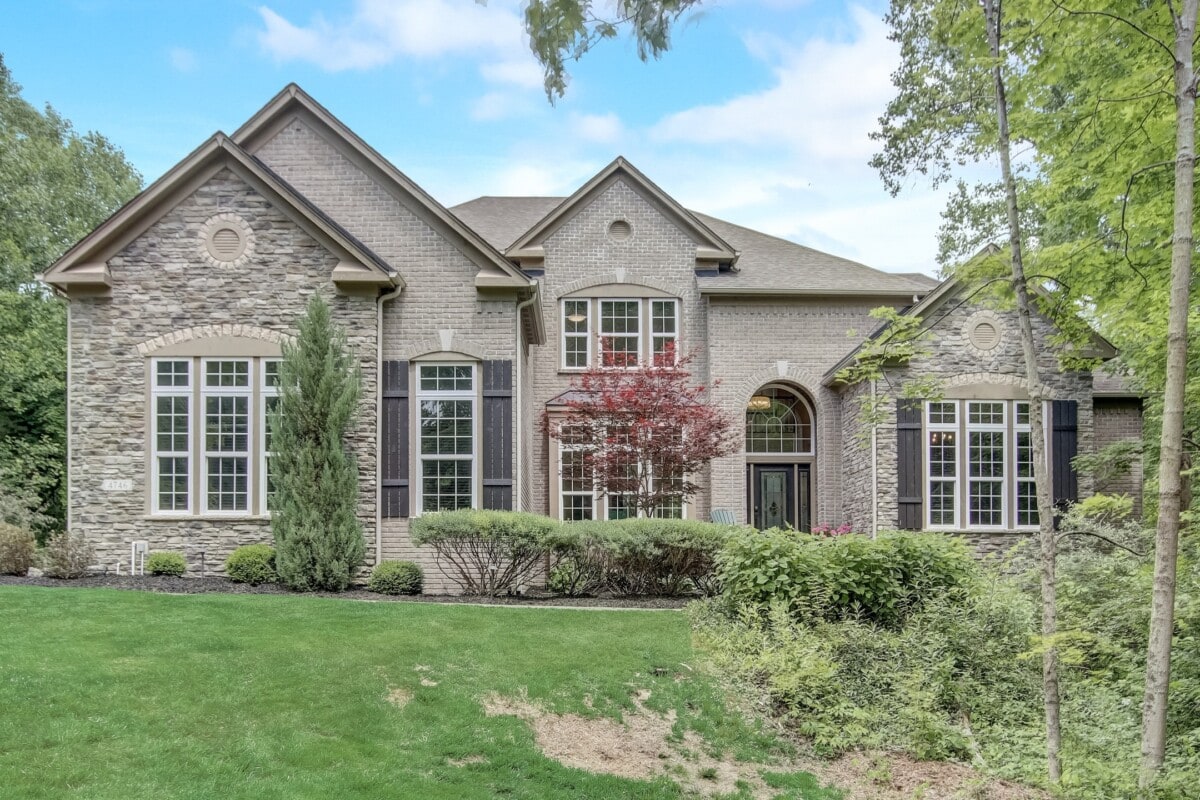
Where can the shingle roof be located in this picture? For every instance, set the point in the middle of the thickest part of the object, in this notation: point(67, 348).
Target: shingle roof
point(766, 264)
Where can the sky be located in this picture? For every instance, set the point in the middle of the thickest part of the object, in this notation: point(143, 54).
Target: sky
point(760, 114)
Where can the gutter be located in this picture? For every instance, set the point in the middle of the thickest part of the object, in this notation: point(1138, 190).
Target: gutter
point(518, 409)
point(383, 298)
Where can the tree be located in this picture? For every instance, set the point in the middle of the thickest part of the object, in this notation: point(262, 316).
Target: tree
point(564, 30)
point(318, 536)
point(55, 186)
point(642, 433)
point(952, 106)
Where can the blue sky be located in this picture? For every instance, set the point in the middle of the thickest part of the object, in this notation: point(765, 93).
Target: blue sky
point(760, 113)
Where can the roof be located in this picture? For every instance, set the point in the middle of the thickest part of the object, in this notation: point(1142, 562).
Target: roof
point(766, 264)
point(84, 265)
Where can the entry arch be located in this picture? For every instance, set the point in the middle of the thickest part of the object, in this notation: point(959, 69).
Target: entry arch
point(780, 452)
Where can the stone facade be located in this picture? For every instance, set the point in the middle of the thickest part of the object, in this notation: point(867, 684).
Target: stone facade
point(169, 291)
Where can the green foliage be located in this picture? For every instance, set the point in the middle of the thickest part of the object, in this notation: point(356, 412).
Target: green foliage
point(637, 556)
point(252, 564)
point(882, 580)
point(55, 186)
point(17, 547)
point(172, 564)
point(486, 552)
point(564, 30)
point(314, 512)
point(66, 555)
point(395, 577)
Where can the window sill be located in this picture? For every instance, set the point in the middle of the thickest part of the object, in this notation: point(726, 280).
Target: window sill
point(206, 517)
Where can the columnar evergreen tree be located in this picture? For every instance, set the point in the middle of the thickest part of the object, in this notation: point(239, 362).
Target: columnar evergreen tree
point(318, 537)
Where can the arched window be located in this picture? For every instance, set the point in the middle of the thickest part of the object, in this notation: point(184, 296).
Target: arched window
point(778, 421)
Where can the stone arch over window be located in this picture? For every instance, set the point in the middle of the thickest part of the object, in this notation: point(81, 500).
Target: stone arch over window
point(226, 339)
point(779, 420)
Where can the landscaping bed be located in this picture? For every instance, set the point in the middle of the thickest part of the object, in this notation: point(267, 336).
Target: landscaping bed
point(218, 585)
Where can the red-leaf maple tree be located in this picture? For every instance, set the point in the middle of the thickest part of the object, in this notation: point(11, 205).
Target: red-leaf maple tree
point(643, 432)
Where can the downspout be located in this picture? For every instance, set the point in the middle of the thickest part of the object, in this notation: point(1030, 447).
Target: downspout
point(67, 471)
point(383, 298)
point(874, 469)
point(518, 410)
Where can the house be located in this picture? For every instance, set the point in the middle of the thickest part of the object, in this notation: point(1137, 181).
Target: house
point(477, 317)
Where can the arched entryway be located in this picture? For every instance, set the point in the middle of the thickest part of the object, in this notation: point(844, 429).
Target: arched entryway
point(780, 458)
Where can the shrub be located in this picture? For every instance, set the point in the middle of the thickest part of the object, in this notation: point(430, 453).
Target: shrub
point(637, 556)
point(66, 555)
point(17, 547)
point(486, 552)
point(395, 577)
point(252, 564)
point(172, 564)
point(880, 580)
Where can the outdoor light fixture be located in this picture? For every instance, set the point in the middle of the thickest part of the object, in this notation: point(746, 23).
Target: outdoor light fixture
point(759, 402)
point(576, 317)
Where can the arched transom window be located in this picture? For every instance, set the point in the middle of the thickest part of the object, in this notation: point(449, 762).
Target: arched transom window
point(778, 421)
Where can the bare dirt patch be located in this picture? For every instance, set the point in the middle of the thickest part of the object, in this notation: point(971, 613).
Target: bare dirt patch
point(399, 696)
point(639, 747)
point(895, 776)
point(466, 762)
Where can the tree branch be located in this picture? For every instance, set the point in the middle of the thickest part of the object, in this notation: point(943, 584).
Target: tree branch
point(1094, 535)
point(1122, 20)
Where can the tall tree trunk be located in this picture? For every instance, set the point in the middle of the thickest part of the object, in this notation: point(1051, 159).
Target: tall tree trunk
point(1037, 431)
point(1170, 462)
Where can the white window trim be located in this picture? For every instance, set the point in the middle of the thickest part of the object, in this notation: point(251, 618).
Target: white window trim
point(562, 493)
point(458, 394)
point(187, 392)
point(1016, 479)
point(942, 427)
point(587, 334)
point(655, 337)
point(202, 445)
point(1005, 481)
point(260, 437)
point(641, 318)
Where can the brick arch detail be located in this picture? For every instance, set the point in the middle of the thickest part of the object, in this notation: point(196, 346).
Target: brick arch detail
point(196, 332)
point(629, 278)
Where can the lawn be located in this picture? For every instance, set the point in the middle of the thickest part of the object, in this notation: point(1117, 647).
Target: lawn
point(108, 694)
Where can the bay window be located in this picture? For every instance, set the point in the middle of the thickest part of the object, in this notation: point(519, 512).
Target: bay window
point(580, 498)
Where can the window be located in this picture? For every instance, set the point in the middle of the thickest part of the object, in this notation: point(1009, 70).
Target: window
point(778, 421)
point(270, 402)
point(979, 465)
point(446, 405)
point(581, 499)
point(209, 434)
point(624, 332)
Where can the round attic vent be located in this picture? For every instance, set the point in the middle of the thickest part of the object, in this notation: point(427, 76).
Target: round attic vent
point(227, 240)
point(620, 230)
point(985, 336)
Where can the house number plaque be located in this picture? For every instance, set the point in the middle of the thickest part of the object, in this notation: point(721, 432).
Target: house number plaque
point(117, 485)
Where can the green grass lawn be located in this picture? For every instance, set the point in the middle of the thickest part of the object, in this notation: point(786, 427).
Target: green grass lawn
point(109, 694)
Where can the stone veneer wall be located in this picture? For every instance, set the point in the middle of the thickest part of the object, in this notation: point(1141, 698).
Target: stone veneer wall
point(959, 365)
point(580, 254)
point(1120, 420)
point(755, 342)
point(163, 284)
point(439, 305)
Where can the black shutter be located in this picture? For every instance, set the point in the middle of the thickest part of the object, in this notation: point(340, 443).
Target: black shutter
point(393, 451)
point(1064, 415)
point(908, 465)
point(497, 434)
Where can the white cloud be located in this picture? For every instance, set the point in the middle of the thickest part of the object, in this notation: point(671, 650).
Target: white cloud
point(378, 32)
point(182, 59)
point(598, 128)
point(825, 101)
point(494, 106)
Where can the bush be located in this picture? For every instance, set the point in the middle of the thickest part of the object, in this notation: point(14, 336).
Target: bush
point(252, 564)
point(66, 555)
point(880, 580)
point(172, 564)
point(486, 552)
point(395, 577)
point(17, 547)
point(636, 556)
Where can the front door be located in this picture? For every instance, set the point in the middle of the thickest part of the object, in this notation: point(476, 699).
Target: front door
point(779, 496)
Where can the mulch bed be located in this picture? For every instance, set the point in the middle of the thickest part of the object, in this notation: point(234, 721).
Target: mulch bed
point(162, 583)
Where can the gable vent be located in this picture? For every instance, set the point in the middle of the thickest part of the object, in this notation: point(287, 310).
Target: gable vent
point(620, 230)
point(225, 244)
point(985, 336)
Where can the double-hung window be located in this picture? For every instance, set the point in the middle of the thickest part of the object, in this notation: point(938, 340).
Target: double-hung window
point(210, 442)
point(619, 332)
point(579, 497)
point(447, 450)
point(979, 465)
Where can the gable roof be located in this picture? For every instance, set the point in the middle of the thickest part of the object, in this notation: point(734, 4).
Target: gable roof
point(1099, 346)
point(709, 246)
point(767, 265)
point(496, 271)
point(85, 264)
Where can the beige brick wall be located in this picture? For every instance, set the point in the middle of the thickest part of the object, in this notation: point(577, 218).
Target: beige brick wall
point(1120, 420)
